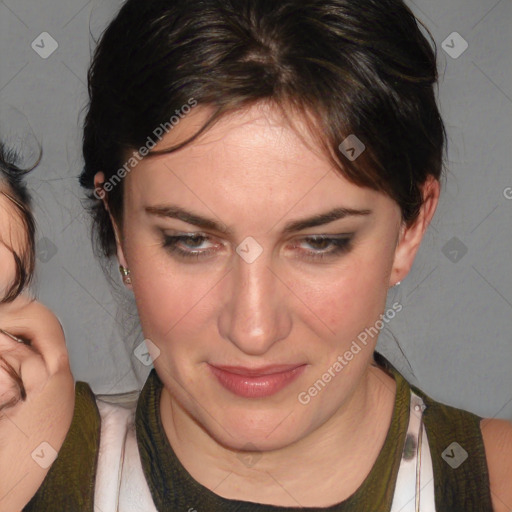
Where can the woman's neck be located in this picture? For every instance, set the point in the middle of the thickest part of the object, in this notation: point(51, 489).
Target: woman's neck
point(323, 468)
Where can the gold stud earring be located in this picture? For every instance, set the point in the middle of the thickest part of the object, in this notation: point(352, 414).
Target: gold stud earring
point(125, 272)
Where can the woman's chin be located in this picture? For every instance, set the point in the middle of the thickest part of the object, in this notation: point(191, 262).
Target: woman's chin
point(235, 421)
point(263, 430)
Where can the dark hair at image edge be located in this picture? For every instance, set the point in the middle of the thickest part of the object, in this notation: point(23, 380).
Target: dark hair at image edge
point(358, 67)
point(14, 189)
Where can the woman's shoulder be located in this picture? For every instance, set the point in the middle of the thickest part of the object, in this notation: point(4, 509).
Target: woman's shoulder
point(497, 437)
point(473, 454)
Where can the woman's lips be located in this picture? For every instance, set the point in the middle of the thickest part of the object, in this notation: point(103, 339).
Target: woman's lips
point(256, 383)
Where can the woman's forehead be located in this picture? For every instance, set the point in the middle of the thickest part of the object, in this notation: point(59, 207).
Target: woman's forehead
point(244, 198)
point(259, 124)
point(254, 160)
point(254, 144)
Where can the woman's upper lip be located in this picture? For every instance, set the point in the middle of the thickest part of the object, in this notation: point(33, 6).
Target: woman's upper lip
point(262, 370)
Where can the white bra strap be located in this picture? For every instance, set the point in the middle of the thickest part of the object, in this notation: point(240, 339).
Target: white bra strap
point(134, 491)
point(426, 482)
point(120, 482)
point(414, 490)
point(114, 420)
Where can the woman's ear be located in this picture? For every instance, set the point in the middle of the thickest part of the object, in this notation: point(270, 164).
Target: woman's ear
point(99, 180)
point(410, 237)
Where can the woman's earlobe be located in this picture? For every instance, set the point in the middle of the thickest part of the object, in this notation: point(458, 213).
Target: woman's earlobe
point(99, 192)
point(123, 266)
point(125, 274)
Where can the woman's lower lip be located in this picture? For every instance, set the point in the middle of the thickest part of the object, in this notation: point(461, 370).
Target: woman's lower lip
point(256, 387)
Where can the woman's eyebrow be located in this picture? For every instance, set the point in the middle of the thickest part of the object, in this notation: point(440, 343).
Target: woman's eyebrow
point(176, 212)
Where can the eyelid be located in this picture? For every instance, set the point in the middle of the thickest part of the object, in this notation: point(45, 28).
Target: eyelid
point(340, 244)
point(324, 236)
point(192, 234)
point(211, 238)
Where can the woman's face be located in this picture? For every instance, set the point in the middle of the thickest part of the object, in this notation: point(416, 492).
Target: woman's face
point(264, 292)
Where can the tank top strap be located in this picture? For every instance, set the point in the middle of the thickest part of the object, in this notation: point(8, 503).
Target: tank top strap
point(69, 484)
point(461, 475)
point(414, 489)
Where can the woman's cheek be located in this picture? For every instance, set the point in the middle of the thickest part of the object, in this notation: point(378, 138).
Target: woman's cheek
point(7, 270)
point(165, 302)
point(341, 298)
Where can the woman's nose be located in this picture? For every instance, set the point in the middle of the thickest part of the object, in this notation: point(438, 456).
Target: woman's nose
point(255, 316)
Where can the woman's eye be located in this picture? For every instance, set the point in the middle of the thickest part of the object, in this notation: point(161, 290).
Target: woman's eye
point(187, 246)
point(320, 246)
point(325, 246)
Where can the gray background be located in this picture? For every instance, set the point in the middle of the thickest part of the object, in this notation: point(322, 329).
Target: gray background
point(456, 325)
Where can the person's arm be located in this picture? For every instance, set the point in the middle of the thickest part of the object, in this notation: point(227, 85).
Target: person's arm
point(33, 429)
point(497, 436)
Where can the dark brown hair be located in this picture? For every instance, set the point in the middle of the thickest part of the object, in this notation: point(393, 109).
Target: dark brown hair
point(359, 67)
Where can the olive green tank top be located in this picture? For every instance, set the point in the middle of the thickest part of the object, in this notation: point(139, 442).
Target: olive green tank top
point(69, 484)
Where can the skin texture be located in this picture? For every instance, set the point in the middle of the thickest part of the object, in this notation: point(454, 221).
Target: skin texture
point(253, 173)
point(11, 236)
point(46, 414)
point(497, 436)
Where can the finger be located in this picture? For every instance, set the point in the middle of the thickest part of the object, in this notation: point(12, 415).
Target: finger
point(37, 325)
point(22, 372)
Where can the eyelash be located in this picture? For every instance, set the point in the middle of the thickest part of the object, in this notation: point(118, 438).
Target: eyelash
point(341, 244)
